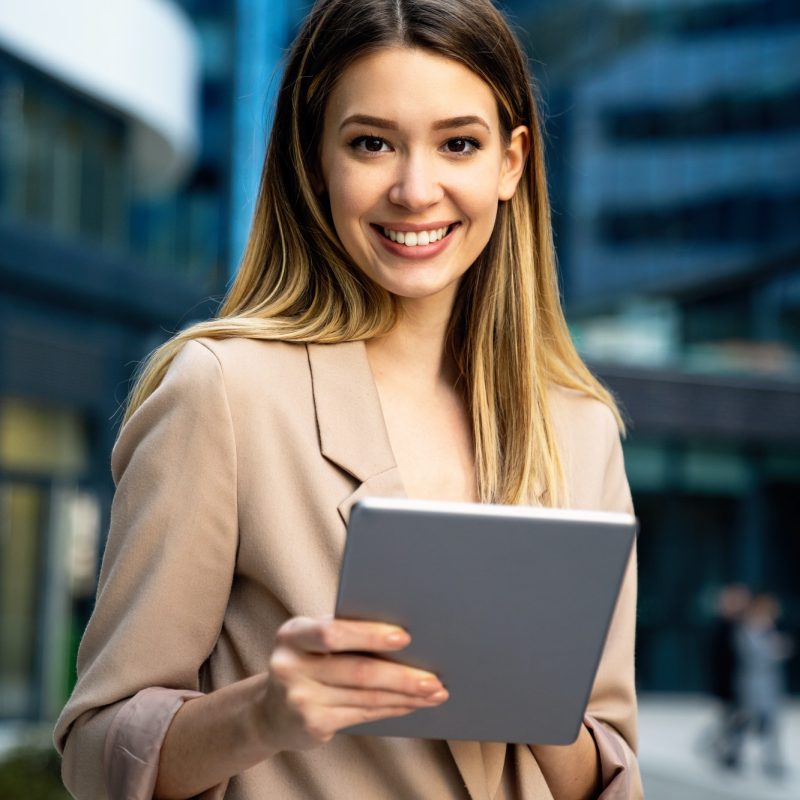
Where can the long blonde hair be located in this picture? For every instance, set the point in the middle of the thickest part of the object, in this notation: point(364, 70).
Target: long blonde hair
point(296, 282)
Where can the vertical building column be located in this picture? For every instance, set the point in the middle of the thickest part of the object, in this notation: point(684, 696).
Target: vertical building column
point(262, 32)
point(751, 534)
point(766, 311)
point(670, 547)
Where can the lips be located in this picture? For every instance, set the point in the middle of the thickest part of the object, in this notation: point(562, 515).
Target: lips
point(415, 238)
point(415, 227)
point(415, 251)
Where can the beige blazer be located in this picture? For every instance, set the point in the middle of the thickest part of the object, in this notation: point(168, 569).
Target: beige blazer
point(234, 483)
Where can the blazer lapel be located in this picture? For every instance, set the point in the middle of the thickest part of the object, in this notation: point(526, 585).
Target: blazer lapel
point(384, 484)
point(353, 435)
point(352, 430)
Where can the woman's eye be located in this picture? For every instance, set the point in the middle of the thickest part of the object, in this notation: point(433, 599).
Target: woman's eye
point(372, 144)
point(463, 145)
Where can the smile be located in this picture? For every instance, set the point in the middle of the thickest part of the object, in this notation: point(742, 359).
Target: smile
point(417, 244)
point(416, 238)
point(420, 238)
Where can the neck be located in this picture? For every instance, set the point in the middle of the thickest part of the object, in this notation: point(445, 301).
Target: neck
point(413, 352)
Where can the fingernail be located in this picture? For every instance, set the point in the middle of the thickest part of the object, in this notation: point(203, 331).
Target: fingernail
point(397, 638)
point(427, 685)
point(439, 696)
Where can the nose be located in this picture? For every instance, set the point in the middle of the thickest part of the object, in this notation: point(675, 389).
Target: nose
point(416, 185)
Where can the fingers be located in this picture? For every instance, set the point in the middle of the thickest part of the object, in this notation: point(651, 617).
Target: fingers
point(378, 699)
point(323, 678)
point(320, 724)
point(322, 711)
point(342, 717)
point(322, 650)
point(337, 635)
point(366, 672)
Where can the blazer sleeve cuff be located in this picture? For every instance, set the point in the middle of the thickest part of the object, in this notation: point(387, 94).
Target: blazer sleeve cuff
point(134, 740)
point(619, 766)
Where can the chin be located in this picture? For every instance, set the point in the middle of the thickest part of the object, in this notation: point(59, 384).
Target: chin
point(419, 290)
point(414, 283)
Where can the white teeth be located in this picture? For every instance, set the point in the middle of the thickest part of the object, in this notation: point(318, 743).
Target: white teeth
point(414, 238)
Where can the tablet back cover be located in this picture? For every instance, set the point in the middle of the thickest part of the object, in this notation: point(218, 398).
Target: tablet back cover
point(509, 605)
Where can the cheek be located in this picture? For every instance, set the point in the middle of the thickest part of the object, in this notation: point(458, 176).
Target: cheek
point(477, 195)
point(352, 192)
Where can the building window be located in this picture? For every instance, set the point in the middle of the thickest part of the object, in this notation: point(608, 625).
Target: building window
point(755, 217)
point(716, 115)
point(49, 539)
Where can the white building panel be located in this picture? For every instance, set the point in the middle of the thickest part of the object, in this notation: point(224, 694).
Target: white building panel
point(139, 57)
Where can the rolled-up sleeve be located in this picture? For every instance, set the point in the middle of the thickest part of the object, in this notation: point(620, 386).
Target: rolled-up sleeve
point(134, 739)
point(611, 712)
point(164, 583)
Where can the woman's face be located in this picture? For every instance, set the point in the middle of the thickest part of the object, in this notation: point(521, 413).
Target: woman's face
point(414, 165)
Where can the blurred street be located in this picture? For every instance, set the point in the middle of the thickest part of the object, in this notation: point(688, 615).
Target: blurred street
point(674, 766)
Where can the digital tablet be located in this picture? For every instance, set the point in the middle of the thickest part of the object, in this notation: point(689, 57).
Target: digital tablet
point(508, 605)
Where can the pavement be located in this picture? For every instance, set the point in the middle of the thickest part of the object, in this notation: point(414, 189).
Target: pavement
point(676, 764)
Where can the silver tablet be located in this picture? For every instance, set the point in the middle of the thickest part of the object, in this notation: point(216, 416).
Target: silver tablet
point(508, 605)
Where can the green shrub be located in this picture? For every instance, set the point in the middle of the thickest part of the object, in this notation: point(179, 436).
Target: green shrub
point(31, 773)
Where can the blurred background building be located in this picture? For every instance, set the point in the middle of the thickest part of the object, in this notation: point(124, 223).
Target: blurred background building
point(114, 207)
point(674, 147)
point(131, 140)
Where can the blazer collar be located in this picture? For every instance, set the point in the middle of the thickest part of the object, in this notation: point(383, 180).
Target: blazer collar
point(352, 429)
point(353, 435)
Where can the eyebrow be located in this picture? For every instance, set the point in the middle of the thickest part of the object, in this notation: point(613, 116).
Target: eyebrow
point(389, 124)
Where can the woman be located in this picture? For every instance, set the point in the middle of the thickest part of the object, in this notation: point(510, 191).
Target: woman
point(394, 329)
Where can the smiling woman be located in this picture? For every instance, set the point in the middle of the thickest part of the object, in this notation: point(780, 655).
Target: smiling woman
point(419, 108)
point(394, 329)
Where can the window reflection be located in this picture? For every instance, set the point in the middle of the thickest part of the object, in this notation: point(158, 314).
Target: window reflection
point(66, 167)
point(22, 515)
point(49, 539)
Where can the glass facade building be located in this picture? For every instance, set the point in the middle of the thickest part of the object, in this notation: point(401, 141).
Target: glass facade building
point(96, 268)
point(674, 148)
point(65, 169)
point(105, 248)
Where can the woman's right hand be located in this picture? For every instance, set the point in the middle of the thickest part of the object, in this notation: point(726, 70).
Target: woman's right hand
point(322, 677)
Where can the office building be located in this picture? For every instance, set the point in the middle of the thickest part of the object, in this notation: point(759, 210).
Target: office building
point(113, 233)
point(674, 142)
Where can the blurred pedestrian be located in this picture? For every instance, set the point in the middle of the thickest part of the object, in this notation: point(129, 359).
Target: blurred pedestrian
point(732, 603)
point(761, 651)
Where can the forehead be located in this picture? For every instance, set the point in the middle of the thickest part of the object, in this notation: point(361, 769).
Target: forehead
point(410, 84)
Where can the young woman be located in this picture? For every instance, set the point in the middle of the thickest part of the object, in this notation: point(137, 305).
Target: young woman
point(394, 329)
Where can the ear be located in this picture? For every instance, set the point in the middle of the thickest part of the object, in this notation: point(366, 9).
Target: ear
point(514, 159)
